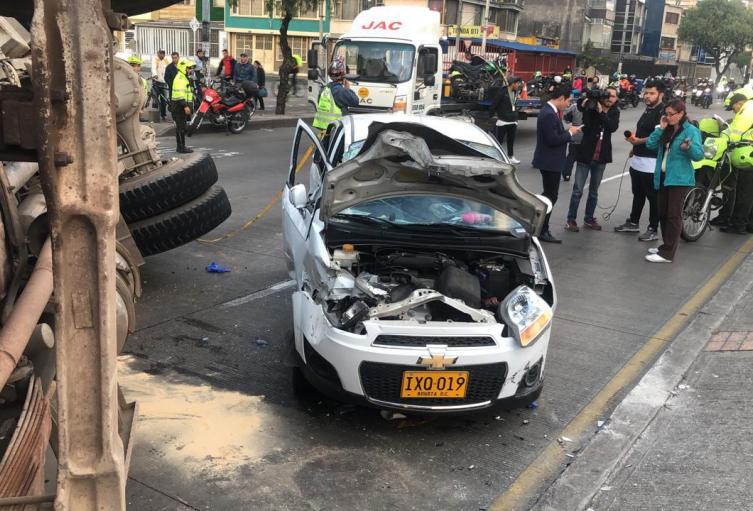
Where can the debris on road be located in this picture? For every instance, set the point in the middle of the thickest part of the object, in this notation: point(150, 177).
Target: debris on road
point(533, 405)
point(526, 421)
point(261, 342)
point(564, 439)
point(391, 416)
point(213, 267)
point(599, 424)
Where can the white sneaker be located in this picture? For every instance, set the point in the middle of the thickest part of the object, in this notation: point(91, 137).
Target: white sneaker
point(514, 160)
point(653, 250)
point(656, 258)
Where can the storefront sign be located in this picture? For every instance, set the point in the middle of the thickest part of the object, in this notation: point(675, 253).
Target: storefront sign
point(492, 31)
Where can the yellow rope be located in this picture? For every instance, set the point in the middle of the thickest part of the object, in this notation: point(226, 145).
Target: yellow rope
point(265, 209)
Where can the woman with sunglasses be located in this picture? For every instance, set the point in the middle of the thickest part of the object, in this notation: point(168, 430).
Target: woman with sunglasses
point(678, 144)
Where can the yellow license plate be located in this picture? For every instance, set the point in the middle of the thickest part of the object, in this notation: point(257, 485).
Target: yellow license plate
point(434, 384)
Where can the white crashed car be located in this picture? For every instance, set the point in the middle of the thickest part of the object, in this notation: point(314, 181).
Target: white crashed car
point(420, 284)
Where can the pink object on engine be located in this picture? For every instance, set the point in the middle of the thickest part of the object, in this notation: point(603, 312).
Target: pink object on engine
point(471, 217)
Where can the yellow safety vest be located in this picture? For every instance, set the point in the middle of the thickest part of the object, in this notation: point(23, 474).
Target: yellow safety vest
point(327, 110)
point(182, 89)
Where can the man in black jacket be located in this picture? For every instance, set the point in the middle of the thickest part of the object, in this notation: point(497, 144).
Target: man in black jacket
point(600, 119)
point(170, 71)
point(507, 117)
point(643, 163)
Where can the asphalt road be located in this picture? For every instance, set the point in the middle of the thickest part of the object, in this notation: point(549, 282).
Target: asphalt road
point(220, 427)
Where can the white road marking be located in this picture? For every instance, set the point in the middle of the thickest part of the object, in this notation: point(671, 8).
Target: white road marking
point(274, 288)
point(618, 176)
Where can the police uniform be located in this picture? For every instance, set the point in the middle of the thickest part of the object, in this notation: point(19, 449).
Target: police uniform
point(182, 96)
point(741, 159)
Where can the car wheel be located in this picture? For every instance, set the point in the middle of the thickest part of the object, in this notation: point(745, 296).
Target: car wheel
point(167, 187)
point(182, 225)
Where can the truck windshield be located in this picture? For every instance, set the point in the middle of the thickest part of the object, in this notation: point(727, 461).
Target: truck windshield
point(376, 61)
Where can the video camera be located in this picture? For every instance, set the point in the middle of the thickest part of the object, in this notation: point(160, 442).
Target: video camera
point(593, 96)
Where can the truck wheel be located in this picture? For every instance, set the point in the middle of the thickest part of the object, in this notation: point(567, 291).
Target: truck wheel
point(167, 187)
point(181, 225)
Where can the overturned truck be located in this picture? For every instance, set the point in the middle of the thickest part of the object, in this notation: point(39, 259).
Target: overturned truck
point(84, 197)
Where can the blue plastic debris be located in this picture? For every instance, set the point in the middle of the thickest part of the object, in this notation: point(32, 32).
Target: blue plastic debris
point(533, 405)
point(216, 268)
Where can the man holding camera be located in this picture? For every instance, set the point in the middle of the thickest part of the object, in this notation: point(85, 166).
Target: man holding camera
point(600, 120)
point(643, 163)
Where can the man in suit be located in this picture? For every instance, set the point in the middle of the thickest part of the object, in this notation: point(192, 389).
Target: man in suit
point(551, 145)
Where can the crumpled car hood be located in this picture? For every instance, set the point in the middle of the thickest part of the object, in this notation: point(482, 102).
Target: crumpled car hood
point(400, 159)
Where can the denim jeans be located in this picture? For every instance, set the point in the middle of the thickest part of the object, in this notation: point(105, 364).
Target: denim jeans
point(581, 174)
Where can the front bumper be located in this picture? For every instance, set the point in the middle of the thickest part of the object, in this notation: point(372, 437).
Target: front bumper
point(356, 368)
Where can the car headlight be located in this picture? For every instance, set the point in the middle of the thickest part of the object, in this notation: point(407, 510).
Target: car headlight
point(527, 315)
point(709, 149)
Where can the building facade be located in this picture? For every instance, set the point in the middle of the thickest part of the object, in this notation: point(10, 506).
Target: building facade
point(504, 14)
point(563, 23)
point(629, 19)
point(599, 23)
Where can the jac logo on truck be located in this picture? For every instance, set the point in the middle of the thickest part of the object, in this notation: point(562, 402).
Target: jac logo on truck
point(382, 25)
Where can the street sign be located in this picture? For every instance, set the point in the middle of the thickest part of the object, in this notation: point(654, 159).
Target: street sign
point(194, 24)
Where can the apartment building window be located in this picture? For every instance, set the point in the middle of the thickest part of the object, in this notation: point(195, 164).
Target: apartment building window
point(298, 45)
point(250, 8)
point(667, 43)
point(672, 18)
point(346, 9)
point(244, 43)
point(218, 4)
point(506, 20)
point(306, 12)
point(264, 42)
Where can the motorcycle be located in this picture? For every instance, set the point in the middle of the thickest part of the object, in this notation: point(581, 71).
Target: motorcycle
point(628, 98)
point(695, 96)
point(712, 176)
point(474, 83)
point(706, 98)
point(232, 109)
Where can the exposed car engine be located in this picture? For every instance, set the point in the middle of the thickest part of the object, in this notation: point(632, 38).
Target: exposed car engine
point(422, 286)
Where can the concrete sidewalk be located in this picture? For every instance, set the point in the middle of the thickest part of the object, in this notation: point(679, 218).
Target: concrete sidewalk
point(296, 108)
point(688, 448)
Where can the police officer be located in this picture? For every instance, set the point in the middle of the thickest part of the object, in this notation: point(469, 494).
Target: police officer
point(135, 62)
point(181, 101)
point(335, 98)
point(741, 129)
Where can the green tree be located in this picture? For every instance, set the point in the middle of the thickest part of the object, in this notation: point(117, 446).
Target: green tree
point(590, 56)
point(288, 9)
point(721, 28)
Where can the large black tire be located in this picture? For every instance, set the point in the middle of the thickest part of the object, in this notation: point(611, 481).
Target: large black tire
point(182, 225)
point(167, 187)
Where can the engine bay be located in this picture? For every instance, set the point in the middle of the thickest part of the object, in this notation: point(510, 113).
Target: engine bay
point(377, 282)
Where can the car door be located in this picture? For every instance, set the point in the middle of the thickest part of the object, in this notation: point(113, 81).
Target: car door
point(297, 213)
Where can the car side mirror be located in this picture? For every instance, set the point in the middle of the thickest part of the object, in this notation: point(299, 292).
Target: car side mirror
point(298, 196)
point(313, 74)
point(313, 58)
point(546, 201)
point(430, 80)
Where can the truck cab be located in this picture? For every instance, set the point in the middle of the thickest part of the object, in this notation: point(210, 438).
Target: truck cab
point(392, 59)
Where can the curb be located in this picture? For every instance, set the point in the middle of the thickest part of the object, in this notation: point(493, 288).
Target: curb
point(282, 122)
point(578, 484)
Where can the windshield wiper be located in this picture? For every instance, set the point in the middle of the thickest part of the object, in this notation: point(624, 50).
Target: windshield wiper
point(364, 220)
point(460, 230)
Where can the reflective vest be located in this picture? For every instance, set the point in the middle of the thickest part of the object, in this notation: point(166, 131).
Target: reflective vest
point(182, 89)
point(327, 110)
point(741, 128)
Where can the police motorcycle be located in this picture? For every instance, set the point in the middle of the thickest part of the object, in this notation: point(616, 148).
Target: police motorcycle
point(712, 174)
point(474, 82)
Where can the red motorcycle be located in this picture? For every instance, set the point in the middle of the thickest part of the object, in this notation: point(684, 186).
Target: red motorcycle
point(232, 109)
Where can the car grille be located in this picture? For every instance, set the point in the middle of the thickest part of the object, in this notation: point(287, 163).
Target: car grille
point(383, 382)
point(421, 341)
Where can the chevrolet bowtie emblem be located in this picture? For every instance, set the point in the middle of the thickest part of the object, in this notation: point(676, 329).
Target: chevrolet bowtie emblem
point(437, 360)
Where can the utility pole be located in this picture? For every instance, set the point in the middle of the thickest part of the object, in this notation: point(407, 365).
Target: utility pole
point(205, 18)
point(457, 31)
point(485, 21)
point(320, 10)
point(628, 4)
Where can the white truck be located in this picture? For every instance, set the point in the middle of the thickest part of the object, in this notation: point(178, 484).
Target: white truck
point(392, 58)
